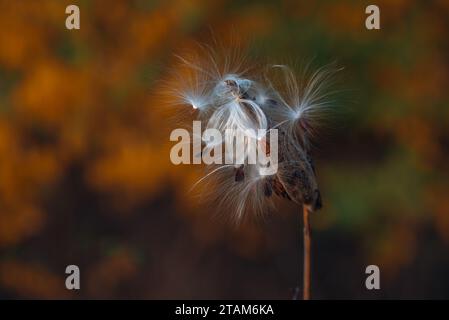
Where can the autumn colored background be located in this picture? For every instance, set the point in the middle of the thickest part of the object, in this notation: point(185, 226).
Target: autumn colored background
point(85, 176)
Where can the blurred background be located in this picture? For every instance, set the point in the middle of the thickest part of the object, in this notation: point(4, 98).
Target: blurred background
point(85, 176)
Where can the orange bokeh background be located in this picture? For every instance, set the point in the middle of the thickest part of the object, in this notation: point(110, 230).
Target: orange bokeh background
point(86, 179)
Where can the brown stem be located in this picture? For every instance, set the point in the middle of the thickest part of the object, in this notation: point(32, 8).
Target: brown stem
point(307, 240)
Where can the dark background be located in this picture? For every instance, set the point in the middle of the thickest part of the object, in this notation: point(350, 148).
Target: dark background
point(85, 176)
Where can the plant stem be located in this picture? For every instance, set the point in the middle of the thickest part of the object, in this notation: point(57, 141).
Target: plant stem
point(307, 241)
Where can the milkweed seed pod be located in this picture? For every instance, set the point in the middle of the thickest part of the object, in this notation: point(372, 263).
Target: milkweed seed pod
point(260, 106)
